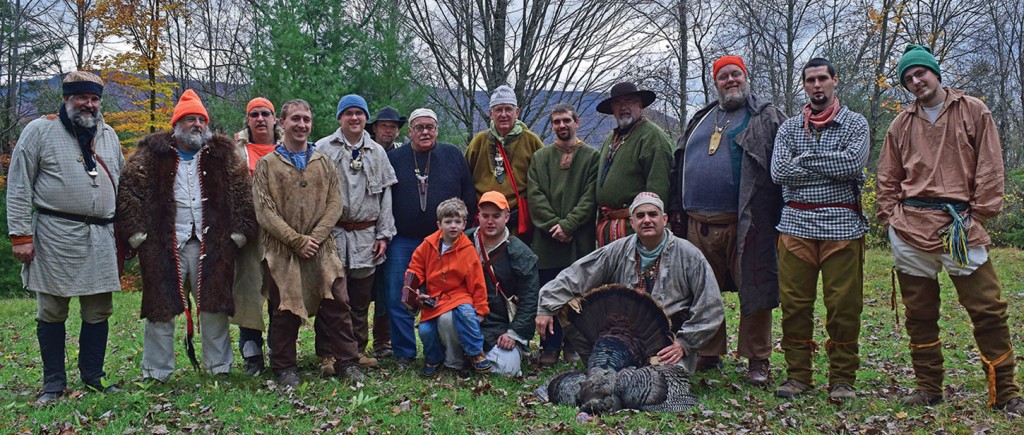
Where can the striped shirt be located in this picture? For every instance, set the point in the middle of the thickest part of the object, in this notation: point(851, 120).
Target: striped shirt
point(822, 167)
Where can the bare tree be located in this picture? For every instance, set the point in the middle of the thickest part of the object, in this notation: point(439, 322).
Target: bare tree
point(546, 50)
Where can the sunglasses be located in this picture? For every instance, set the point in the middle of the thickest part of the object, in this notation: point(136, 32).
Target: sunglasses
point(265, 114)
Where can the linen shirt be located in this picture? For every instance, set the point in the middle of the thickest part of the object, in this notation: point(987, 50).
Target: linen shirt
point(822, 167)
point(188, 201)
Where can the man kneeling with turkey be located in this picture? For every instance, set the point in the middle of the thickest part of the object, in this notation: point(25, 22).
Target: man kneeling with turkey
point(640, 306)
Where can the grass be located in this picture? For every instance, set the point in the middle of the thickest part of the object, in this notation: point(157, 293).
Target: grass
point(396, 401)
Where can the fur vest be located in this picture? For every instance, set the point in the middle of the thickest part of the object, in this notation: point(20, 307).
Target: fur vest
point(145, 204)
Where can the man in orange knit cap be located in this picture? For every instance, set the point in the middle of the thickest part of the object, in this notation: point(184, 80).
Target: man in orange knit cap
point(724, 202)
point(188, 229)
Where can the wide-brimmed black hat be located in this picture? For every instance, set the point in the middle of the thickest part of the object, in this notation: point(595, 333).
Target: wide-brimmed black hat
point(388, 113)
point(623, 89)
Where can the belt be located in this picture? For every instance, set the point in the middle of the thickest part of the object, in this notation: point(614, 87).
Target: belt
point(808, 206)
point(355, 226)
point(608, 213)
point(88, 220)
point(935, 203)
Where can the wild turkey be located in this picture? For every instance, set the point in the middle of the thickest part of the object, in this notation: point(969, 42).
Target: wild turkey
point(623, 329)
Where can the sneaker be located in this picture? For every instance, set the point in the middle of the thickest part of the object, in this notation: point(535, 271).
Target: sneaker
point(429, 370)
point(288, 378)
point(404, 362)
point(353, 373)
point(481, 364)
point(254, 365)
point(47, 397)
point(367, 362)
point(791, 388)
point(1013, 407)
point(757, 372)
point(921, 398)
point(327, 366)
point(840, 392)
point(548, 358)
point(705, 363)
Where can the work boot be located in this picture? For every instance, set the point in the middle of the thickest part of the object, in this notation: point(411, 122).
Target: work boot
point(353, 373)
point(791, 388)
point(705, 363)
point(288, 378)
point(840, 392)
point(548, 358)
point(368, 362)
point(327, 366)
point(757, 372)
point(91, 355)
point(51, 348)
point(921, 398)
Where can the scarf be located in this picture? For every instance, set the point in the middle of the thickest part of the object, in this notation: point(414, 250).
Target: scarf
point(821, 119)
point(567, 154)
point(647, 258)
point(517, 129)
point(298, 159)
point(84, 137)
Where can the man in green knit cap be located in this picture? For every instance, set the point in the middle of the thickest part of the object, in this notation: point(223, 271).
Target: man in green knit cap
point(500, 156)
point(940, 178)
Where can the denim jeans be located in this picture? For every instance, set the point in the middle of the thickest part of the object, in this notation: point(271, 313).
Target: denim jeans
point(467, 325)
point(403, 333)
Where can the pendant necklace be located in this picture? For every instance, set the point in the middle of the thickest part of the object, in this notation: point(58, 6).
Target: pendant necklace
point(499, 164)
point(357, 158)
point(716, 136)
point(421, 178)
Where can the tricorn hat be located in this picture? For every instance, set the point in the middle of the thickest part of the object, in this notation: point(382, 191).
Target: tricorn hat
point(388, 113)
point(623, 89)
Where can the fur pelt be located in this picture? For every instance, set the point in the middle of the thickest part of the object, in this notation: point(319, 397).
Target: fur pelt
point(145, 204)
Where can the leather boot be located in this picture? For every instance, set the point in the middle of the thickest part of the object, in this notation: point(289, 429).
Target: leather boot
point(91, 354)
point(51, 349)
point(921, 301)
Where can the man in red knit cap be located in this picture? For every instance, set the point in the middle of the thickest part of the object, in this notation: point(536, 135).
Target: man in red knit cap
point(724, 202)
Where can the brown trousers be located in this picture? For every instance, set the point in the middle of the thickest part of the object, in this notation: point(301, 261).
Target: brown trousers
point(716, 239)
point(335, 332)
point(980, 294)
point(842, 279)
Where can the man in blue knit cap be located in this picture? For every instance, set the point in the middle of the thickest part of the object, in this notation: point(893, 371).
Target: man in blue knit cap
point(940, 178)
point(366, 224)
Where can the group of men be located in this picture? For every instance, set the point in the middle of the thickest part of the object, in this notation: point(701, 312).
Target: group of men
point(751, 202)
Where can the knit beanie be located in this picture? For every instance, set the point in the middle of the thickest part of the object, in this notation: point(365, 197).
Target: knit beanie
point(727, 60)
point(917, 55)
point(259, 102)
point(82, 82)
point(503, 95)
point(423, 112)
point(352, 100)
point(189, 104)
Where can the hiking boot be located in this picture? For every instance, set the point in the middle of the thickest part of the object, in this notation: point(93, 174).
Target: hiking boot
point(791, 388)
point(1013, 407)
point(353, 373)
point(288, 378)
point(840, 392)
point(46, 397)
point(429, 370)
point(548, 358)
point(921, 398)
point(757, 372)
point(367, 362)
point(705, 363)
point(327, 366)
point(481, 364)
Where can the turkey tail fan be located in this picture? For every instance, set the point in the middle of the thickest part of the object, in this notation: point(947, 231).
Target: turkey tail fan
point(563, 389)
point(616, 310)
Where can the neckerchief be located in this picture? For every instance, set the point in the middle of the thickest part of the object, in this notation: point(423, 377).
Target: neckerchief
point(821, 119)
point(517, 129)
point(298, 159)
point(567, 153)
point(84, 136)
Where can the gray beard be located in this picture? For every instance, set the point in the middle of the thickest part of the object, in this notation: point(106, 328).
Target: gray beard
point(734, 101)
point(192, 139)
point(84, 121)
point(625, 122)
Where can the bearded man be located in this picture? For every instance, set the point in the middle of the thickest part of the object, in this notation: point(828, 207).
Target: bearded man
point(186, 207)
point(722, 186)
point(67, 166)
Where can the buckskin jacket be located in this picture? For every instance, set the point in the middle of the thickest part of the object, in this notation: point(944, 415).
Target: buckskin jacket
point(145, 204)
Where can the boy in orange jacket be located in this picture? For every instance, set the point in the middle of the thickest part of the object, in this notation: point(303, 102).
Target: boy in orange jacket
point(450, 268)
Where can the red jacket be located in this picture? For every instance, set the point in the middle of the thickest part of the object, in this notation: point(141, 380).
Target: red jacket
point(453, 278)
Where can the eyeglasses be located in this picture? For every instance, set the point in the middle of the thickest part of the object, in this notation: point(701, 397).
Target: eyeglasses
point(265, 114)
point(424, 128)
point(735, 74)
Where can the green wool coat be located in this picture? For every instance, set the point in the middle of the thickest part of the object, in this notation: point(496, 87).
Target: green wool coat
point(641, 164)
point(563, 197)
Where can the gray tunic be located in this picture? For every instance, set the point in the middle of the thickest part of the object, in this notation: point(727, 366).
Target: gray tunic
point(686, 288)
point(71, 258)
point(365, 196)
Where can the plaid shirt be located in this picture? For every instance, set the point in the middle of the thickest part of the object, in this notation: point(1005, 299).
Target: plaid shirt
point(822, 167)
